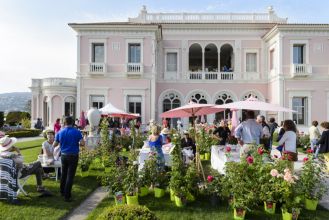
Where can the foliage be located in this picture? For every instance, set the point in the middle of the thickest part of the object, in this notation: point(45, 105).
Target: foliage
point(191, 178)
point(13, 118)
point(303, 141)
point(130, 181)
point(125, 141)
point(148, 174)
point(127, 212)
point(26, 123)
point(24, 133)
point(2, 119)
point(214, 184)
point(232, 140)
point(241, 180)
point(85, 159)
point(312, 178)
point(177, 180)
point(204, 140)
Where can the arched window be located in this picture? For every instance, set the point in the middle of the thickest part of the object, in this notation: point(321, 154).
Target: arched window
point(221, 99)
point(246, 96)
point(211, 58)
point(226, 58)
point(195, 58)
point(199, 98)
point(69, 108)
point(171, 101)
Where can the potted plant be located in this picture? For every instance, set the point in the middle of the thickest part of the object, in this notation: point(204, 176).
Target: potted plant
point(204, 141)
point(148, 174)
point(312, 180)
point(85, 159)
point(161, 183)
point(191, 180)
point(239, 181)
point(213, 187)
point(270, 190)
point(115, 180)
point(131, 180)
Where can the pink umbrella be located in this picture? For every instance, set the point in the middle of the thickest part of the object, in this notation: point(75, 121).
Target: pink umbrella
point(82, 120)
point(254, 104)
point(190, 110)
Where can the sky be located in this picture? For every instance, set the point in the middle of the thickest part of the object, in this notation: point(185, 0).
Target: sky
point(36, 42)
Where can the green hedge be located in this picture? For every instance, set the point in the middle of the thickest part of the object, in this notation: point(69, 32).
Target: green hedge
point(24, 133)
point(127, 212)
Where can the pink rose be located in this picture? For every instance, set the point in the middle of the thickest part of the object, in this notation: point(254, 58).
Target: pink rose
point(274, 172)
point(305, 159)
point(260, 151)
point(250, 159)
point(210, 179)
point(228, 149)
point(309, 151)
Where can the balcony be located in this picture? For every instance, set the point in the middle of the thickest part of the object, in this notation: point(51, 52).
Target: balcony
point(301, 70)
point(213, 76)
point(134, 69)
point(97, 68)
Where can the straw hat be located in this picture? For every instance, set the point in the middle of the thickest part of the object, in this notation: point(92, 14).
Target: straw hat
point(6, 143)
point(165, 131)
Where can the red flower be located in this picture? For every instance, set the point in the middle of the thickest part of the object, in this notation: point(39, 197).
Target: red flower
point(309, 151)
point(275, 156)
point(305, 159)
point(228, 149)
point(210, 179)
point(250, 159)
point(260, 151)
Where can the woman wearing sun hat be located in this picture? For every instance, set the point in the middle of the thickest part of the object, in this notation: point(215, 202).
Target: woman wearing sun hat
point(7, 150)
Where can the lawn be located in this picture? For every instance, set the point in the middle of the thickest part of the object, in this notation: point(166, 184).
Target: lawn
point(202, 209)
point(33, 207)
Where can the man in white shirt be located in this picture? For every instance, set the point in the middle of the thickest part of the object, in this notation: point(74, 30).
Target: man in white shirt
point(314, 134)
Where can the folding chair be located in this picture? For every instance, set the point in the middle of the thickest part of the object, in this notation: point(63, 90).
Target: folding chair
point(21, 182)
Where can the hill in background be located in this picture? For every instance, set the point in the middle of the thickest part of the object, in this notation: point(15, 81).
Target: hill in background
point(15, 101)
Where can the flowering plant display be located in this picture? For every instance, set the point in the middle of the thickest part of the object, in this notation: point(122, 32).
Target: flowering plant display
point(130, 180)
point(213, 183)
point(312, 178)
point(204, 140)
point(228, 150)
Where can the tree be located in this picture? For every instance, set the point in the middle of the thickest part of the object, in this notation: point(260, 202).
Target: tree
point(16, 117)
point(2, 118)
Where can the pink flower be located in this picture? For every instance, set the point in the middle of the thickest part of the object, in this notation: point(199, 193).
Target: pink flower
point(288, 177)
point(274, 172)
point(250, 159)
point(275, 156)
point(228, 149)
point(305, 159)
point(210, 179)
point(287, 170)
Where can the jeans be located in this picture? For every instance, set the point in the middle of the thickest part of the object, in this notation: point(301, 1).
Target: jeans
point(33, 168)
point(313, 143)
point(69, 166)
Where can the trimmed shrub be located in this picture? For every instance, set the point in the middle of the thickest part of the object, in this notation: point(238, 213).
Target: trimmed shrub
point(127, 212)
point(2, 119)
point(13, 118)
point(26, 123)
point(24, 133)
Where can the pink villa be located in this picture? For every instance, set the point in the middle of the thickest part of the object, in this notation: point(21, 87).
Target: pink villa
point(159, 61)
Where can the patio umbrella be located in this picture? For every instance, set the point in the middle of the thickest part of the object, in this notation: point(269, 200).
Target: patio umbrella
point(192, 109)
point(254, 104)
point(112, 111)
point(234, 121)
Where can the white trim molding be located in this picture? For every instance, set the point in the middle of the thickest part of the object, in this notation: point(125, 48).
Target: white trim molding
point(245, 59)
point(302, 93)
point(307, 50)
point(135, 92)
point(89, 92)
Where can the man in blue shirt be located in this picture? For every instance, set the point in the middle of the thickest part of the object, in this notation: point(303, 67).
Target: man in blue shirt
point(69, 139)
point(249, 131)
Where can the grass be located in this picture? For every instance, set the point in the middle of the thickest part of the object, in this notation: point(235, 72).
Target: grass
point(34, 207)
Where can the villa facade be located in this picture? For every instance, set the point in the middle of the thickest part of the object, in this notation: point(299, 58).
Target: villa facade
point(159, 61)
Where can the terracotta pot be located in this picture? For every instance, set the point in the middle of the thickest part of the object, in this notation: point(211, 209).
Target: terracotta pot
point(269, 207)
point(239, 214)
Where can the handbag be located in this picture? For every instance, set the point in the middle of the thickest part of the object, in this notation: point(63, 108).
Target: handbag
point(291, 156)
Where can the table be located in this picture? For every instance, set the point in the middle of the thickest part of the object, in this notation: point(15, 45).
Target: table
point(144, 154)
point(56, 165)
point(218, 157)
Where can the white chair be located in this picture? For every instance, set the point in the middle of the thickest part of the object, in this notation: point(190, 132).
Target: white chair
point(21, 182)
